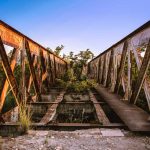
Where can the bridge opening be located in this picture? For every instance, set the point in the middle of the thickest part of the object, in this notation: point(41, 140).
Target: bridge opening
point(76, 108)
point(76, 113)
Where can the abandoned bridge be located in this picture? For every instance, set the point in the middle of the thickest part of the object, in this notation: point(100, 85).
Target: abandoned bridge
point(114, 102)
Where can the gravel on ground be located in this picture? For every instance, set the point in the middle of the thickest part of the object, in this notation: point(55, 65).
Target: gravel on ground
point(89, 139)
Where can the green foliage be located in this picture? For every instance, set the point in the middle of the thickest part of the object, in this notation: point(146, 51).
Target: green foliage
point(80, 86)
point(58, 50)
point(61, 83)
point(79, 61)
point(66, 79)
point(70, 83)
point(69, 76)
point(9, 102)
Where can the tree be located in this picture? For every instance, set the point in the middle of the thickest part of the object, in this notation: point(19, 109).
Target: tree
point(58, 50)
point(79, 61)
point(82, 59)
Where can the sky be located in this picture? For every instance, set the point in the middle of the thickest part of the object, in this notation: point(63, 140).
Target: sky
point(77, 24)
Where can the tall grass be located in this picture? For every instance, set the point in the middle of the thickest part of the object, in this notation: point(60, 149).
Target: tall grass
point(25, 117)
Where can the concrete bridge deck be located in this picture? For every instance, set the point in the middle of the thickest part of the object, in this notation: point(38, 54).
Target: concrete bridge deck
point(134, 118)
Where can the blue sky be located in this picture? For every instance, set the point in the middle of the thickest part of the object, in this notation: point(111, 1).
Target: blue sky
point(77, 24)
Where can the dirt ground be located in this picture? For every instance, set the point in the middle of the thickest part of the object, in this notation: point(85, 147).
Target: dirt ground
point(89, 139)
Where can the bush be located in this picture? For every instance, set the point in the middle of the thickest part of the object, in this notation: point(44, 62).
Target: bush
point(69, 76)
point(80, 86)
point(70, 82)
point(61, 83)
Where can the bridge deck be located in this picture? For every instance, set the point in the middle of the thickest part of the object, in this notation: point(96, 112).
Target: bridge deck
point(135, 118)
point(51, 112)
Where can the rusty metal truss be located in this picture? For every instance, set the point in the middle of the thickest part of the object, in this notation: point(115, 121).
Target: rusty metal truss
point(123, 68)
point(43, 64)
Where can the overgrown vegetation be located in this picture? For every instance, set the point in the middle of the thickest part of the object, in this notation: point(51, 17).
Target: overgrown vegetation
point(77, 86)
point(75, 79)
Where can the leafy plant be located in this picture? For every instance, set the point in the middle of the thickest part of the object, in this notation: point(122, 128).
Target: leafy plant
point(79, 62)
point(69, 75)
point(61, 83)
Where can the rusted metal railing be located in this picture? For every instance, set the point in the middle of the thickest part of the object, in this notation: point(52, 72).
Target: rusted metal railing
point(123, 68)
point(44, 65)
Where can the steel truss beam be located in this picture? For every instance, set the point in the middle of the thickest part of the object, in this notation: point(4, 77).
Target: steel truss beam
point(141, 75)
point(121, 68)
point(32, 71)
point(9, 73)
point(6, 84)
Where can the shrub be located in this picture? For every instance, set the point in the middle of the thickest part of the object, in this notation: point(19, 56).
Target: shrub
point(69, 75)
point(80, 86)
point(61, 83)
point(70, 82)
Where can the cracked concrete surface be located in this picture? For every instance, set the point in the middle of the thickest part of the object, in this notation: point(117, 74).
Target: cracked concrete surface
point(89, 139)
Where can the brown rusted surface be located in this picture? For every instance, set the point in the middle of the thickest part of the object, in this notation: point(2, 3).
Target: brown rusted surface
point(99, 65)
point(44, 69)
point(9, 74)
point(114, 68)
point(32, 71)
point(141, 28)
point(119, 77)
point(50, 70)
point(14, 38)
point(110, 68)
point(120, 72)
point(52, 109)
point(99, 111)
point(141, 76)
point(55, 74)
point(30, 78)
point(6, 84)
